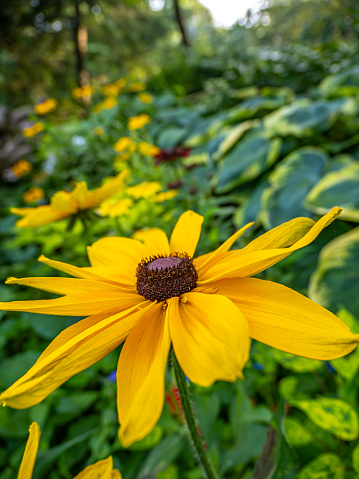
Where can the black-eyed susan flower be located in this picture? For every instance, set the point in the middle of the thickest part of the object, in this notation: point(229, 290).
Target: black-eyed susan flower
point(21, 168)
point(101, 469)
point(33, 130)
point(154, 294)
point(33, 195)
point(64, 204)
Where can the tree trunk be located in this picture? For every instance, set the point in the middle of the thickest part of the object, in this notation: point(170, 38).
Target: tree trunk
point(80, 38)
point(180, 21)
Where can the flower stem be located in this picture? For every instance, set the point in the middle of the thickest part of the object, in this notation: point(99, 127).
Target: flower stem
point(191, 420)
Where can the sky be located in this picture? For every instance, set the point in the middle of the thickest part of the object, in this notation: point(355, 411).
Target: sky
point(225, 13)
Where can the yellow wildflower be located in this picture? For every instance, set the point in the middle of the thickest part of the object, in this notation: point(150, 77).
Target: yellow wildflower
point(33, 195)
point(112, 89)
point(136, 86)
point(82, 91)
point(121, 82)
point(137, 122)
point(64, 204)
point(109, 103)
point(124, 144)
point(164, 196)
point(21, 168)
point(146, 149)
point(145, 97)
point(99, 131)
point(101, 469)
point(46, 106)
point(115, 207)
point(144, 190)
point(154, 293)
point(33, 130)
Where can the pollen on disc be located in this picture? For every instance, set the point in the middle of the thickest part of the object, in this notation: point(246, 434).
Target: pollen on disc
point(162, 263)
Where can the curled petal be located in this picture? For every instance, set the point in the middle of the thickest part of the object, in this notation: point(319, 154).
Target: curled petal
point(286, 320)
point(100, 470)
point(72, 351)
point(210, 337)
point(141, 376)
point(29, 457)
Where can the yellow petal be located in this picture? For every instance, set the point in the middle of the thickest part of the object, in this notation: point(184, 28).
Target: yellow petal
point(65, 285)
point(141, 376)
point(39, 216)
point(247, 262)
point(288, 321)
point(72, 351)
point(109, 189)
point(80, 195)
point(185, 234)
point(76, 304)
point(62, 202)
point(155, 241)
point(29, 457)
point(210, 337)
point(100, 470)
point(206, 259)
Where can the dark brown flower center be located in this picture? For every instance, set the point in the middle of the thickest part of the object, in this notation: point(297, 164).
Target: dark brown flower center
point(163, 277)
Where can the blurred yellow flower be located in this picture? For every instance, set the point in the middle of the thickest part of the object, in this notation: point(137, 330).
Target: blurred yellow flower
point(148, 150)
point(164, 196)
point(144, 190)
point(109, 102)
point(114, 207)
point(46, 106)
point(155, 295)
point(145, 97)
point(145, 235)
point(33, 130)
point(101, 469)
point(136, 86)
point(112, 89)
point(137, 122)
point(99, 131)
point(82, 91)
point(21, 168)
point(121, 82)
point(124, 144)
point(33, 195)
point(64, 204)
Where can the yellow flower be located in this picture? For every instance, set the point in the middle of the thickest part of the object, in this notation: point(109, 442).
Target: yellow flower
point(33, 195)
point(145, 97)
point(152, 294)
point(21, 168)
point(109, 103)
point(64, 204)
point(137, 86)
point(33, 130)
point(112, 89)
point(144, 190)
point(101, 469)
point(99, 131)
point(121, 82)
point(82, 91)
point(137, 122)
point(46, 106)
point(164, 196)
point(148, 150)
point(114, 207)
point(124, 144)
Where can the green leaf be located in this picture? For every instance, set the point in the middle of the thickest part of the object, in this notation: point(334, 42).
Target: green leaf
point(333, 415)
point(296, 363)
point(325, 466)
point(289, 184)
point(335, 282)
point(338, 188)
point(355, 458)
point(348, 366)
point(232, 138)
point(297, 435)
point(171, 137)
point(249, 159)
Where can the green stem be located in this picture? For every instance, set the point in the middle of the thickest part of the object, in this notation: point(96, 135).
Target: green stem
point(191, 420)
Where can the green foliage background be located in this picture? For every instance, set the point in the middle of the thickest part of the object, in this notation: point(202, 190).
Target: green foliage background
point(271, 114)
